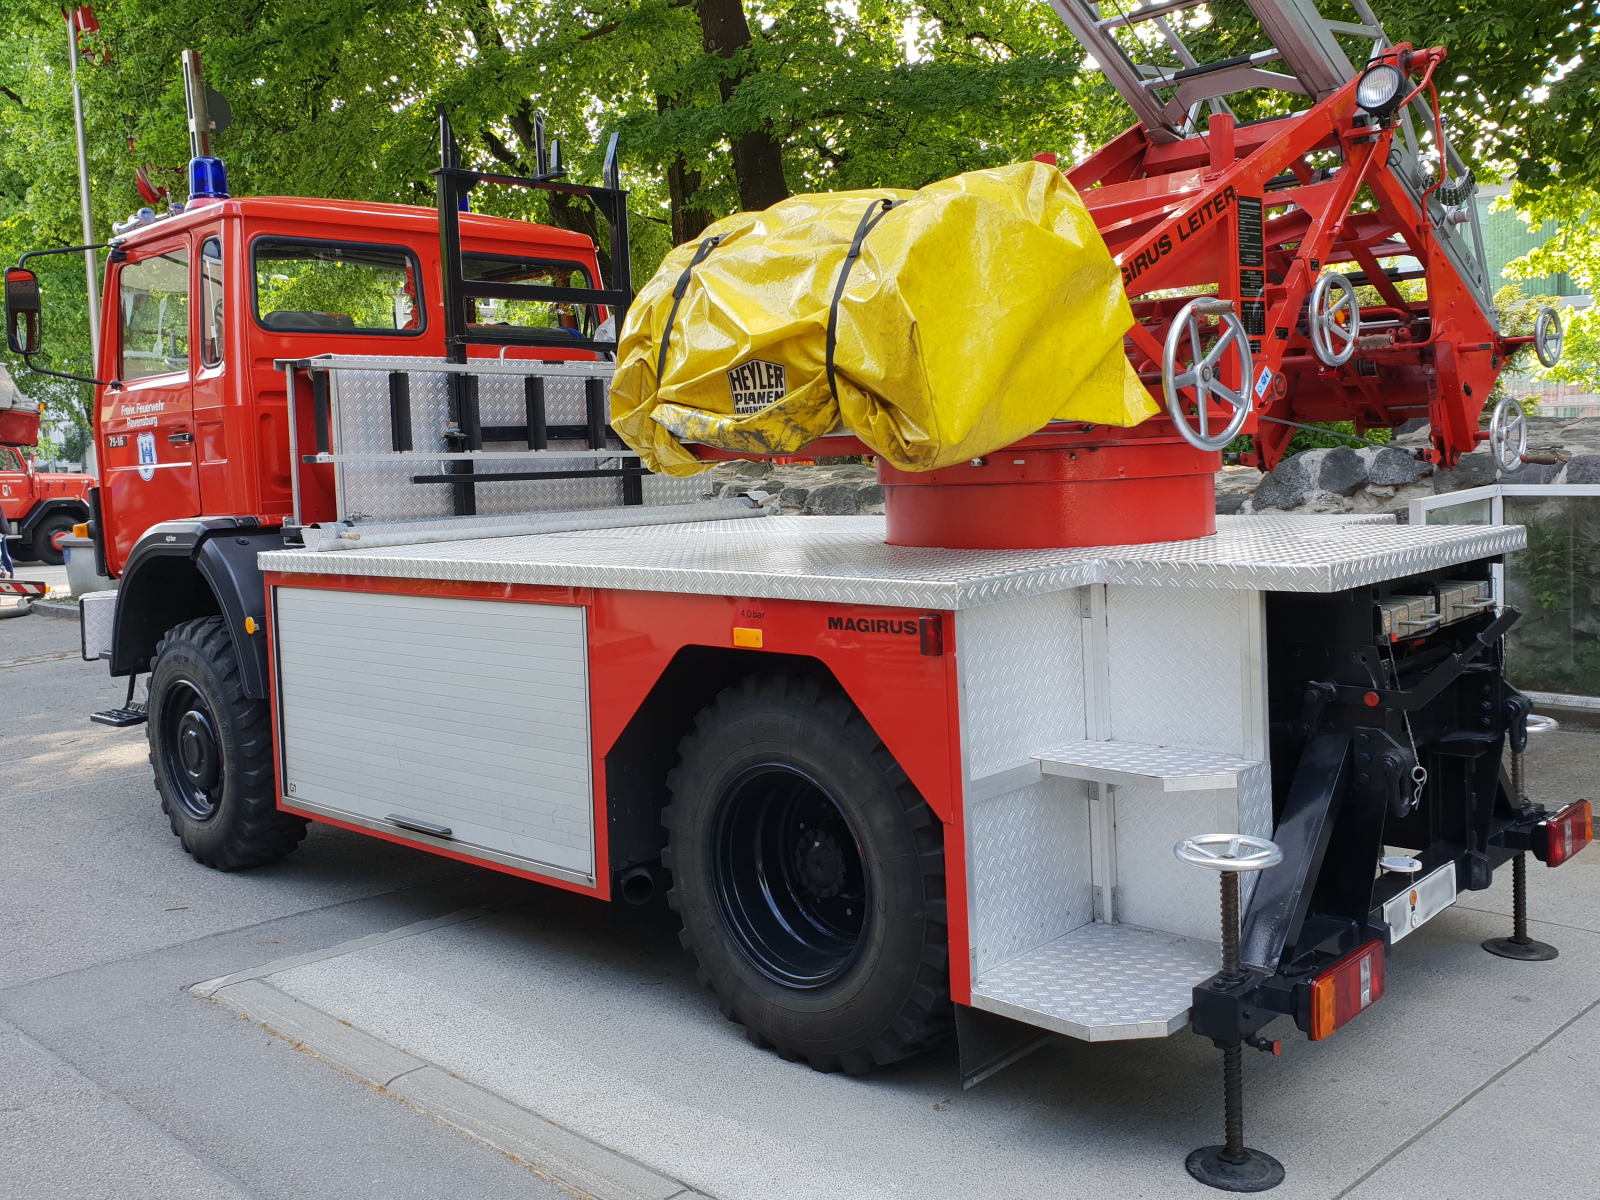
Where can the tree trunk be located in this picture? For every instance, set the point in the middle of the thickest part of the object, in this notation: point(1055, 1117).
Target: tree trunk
point(757, 155)
point(682, 183)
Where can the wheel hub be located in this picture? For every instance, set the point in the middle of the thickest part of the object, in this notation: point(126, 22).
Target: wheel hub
point(788, 876)
point(197, 747)
point(821, 864)
point(191, 752)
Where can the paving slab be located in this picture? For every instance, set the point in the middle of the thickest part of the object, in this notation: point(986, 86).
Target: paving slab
point(557, 1010)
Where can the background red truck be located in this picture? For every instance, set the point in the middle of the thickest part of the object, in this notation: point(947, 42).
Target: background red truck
point(40, 507)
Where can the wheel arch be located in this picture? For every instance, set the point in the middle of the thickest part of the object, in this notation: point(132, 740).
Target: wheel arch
point(67, 506)
point(647, 749)
point(180, 570)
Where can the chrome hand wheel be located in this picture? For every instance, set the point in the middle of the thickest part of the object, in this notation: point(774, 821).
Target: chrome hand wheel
point(1335, 323)
point(1508, 434)
point(1204, 373)
point(1232, 852)
point(1548, 336)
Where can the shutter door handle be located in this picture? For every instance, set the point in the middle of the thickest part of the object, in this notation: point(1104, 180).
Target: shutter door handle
point(180, 439)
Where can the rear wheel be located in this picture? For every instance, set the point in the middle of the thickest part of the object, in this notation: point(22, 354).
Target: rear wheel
point(46, 537)
point(810, 877)
point(211, 748)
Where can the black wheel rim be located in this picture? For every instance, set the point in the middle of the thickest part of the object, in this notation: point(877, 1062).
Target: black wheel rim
point(788, 876)
point(191, 750)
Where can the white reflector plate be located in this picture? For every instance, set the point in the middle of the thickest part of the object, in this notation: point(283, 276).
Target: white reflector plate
point(1421, 902)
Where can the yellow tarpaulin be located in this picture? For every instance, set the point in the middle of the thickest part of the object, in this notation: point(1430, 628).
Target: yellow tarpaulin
point(977, 310)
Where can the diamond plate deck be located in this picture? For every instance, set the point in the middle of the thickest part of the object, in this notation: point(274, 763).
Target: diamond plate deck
point(1101, 983)
point(844, 560)
point(1169, 768)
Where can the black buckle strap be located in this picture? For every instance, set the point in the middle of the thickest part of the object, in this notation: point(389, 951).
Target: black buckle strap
point(706, 247)
point(869, 219)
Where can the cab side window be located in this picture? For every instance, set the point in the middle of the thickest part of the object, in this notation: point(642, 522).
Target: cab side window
point(153, 307)
point(211, 302)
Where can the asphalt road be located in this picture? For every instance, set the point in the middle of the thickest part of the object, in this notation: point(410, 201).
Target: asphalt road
point(1473, 1075)
point(113, 1081)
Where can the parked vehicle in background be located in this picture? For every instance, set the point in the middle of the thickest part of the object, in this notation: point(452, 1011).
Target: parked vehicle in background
point(41, 507)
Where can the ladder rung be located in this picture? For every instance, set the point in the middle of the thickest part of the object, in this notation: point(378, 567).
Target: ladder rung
point(1147, 14)
point(1355, 30)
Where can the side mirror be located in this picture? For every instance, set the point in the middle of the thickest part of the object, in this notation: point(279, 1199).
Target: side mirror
point(22, 311)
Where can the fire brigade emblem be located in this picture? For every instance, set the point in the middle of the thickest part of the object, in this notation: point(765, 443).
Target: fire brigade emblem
point(147, 456)
point(756, 385)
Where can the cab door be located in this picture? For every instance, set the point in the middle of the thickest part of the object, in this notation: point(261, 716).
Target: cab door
point(148, 453)
point(16, 486)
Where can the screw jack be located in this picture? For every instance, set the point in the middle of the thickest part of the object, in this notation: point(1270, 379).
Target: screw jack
point(1233, 1166)
point(1519, 945)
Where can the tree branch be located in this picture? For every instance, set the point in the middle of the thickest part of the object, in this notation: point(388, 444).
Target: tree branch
point(12, 95)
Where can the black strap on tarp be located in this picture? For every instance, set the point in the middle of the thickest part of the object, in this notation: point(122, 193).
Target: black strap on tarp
point(706, 247)
point(869, 219)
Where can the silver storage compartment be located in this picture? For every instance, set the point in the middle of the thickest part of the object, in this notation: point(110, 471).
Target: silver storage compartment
point(453, 722)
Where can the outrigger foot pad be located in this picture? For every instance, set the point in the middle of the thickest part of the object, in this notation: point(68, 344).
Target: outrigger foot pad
point(1246, 1171)
point(1525, 951)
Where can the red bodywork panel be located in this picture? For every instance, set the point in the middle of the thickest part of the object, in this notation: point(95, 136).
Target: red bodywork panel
point(909, 698)
point(219, 435)
point(1169, 214)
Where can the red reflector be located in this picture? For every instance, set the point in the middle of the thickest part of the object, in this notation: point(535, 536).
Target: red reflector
point(931, 630)
point(1569, 831)
point(1371, 699)
point(1346, 989)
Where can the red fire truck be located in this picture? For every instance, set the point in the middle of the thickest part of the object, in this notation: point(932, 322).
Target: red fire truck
point(41, 507)
point(387, 567)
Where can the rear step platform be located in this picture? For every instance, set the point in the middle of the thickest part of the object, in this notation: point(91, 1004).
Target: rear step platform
point(1101, 983)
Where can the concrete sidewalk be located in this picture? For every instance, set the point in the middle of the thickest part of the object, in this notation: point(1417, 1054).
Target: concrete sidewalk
point(1473, 1074)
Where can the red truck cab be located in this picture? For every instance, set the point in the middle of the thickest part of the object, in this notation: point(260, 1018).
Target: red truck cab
point(192, 421)
point(40, 507)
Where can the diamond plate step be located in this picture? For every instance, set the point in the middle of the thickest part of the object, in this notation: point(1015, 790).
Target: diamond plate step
point(1171, 768)
point(1101, 983)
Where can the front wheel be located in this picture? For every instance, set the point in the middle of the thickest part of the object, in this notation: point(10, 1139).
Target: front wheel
point(809, 874)
point(211, 748)
point(47, 538)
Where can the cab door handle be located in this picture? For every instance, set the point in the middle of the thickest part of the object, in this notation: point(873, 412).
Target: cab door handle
point(180, 439)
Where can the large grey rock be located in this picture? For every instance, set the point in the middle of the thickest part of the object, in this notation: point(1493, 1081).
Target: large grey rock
point(1585, 468)
point(1395, 468)
point(1532, 473)
point(872, 493)
point(833, 500)
point(1229, 503)
point(793, 497)
point(1342, 472)
point(1474, 470)
point(1286, 487)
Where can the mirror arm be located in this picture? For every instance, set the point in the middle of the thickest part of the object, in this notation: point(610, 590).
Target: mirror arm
point(23, 261)
point(114, 384)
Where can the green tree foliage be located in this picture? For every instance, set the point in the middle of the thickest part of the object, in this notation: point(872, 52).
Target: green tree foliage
point(719, 103)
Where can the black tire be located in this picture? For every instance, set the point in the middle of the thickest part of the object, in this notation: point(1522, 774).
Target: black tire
point(827, 943)
point(211, 750)
point(40, 544)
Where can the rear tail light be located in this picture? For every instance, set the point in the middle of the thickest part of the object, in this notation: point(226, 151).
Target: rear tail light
point(1569, 831)
point(1346, 989)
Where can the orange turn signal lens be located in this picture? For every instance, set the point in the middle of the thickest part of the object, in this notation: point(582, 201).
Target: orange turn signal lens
point(1346, 989)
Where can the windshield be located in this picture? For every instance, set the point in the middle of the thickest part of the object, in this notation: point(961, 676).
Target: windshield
point(336, 287)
